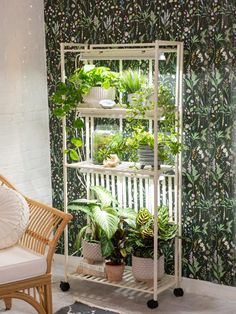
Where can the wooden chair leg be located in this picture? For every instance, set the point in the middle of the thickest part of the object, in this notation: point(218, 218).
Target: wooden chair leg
point(8, 303)
point(48, 298)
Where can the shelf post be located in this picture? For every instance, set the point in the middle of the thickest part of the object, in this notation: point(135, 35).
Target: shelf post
point(155, 179)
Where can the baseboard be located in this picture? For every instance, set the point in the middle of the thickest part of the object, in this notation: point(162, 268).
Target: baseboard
point(210, 289)
point(189, 285)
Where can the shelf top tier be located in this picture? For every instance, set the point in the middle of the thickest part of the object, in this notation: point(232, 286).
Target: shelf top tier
point(115, 112)
point(125, 168)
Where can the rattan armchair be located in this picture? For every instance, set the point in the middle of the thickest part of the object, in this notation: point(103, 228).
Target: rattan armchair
point(46, 224)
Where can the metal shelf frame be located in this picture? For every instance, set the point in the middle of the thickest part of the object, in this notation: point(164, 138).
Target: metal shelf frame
point(142, 51)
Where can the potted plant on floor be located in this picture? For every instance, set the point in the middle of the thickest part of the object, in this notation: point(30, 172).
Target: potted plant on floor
point(102, 221)
point(141, 243)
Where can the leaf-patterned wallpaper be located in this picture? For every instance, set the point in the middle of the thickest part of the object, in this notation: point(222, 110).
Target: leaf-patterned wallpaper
point(208, 30)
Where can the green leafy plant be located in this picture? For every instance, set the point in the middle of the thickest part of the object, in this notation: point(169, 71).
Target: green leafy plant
point(132, 81)
point(168, 144)
point(68, 95)
point(86, 77)
point(105, 217)
point(141, 238)
point(106, 144)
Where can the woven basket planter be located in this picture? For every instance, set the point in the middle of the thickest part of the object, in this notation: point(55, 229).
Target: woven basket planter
point(142, 268)
point(92, 252)
point(98, 93)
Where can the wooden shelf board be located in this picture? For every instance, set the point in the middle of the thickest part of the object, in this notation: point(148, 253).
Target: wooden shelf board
point(115, 112)
point(123, 168)
point(128, 281)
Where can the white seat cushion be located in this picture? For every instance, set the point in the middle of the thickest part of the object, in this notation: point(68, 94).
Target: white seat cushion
point(18, 263)
point(14, 217)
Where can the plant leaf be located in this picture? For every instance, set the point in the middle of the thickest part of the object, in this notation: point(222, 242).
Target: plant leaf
point(107, 222)
point(103, 195)
point(80, 237)
point(106, 246)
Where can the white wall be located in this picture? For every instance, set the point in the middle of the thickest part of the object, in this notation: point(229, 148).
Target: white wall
point(24, 131)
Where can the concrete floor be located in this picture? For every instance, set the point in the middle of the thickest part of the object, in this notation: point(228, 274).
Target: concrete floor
point(127, 302)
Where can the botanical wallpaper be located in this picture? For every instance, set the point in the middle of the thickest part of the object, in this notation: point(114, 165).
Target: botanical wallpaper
point(208, 30)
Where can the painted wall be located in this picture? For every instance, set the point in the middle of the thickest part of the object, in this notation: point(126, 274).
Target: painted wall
point(208, 31)
point(24, 131)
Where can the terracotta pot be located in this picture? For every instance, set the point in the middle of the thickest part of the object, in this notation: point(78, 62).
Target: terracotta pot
point(92, 252)
point(114, 272)
point(142, 268)
point(98, 93)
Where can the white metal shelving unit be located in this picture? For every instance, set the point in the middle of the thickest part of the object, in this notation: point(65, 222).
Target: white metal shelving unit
point(150, 186)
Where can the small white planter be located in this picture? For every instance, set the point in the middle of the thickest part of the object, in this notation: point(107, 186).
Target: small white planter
point(92, 252)
point(142, 268)
point(96, 94)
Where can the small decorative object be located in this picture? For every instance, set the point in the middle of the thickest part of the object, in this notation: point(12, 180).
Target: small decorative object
point(97, 269)
point(107, 103)
point(111, 161)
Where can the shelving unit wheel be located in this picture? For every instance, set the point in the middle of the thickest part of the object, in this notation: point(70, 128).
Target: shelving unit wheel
point(65, 286)
point(178, 292)
point(152, 304)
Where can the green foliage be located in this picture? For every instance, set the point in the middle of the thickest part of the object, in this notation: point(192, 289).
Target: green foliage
point(105, 222)
point(105, 144)
point(86, 77)
point(103, 218)
point(132, 81)
point(168, 144)
point(141, 238)
point(70, 94)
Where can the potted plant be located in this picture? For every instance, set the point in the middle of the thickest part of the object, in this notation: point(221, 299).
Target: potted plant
point(105, 217)
point(96, 84)
point(102, 221)
point(141, 243)
point(116, 246)
point(141, 144)
point(131, 82)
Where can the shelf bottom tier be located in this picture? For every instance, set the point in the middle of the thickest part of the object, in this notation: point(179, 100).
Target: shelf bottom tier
point(129, 282)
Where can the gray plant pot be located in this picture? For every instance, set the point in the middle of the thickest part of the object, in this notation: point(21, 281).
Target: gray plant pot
point(142, 268)
point(92, 252)
point(146, 156)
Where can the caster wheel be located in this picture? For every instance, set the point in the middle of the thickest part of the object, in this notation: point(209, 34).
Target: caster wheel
point(152, 304)
point(178, 292)
point(65, 286)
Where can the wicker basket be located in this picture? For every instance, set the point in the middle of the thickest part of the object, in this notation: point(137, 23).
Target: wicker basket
point(98, 93)
point(92, 252)
point(142, 268)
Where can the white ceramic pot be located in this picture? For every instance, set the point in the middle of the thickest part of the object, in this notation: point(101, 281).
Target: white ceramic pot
point(96, 94)
point(131, 98)
point(142, 268)
point(92, 252)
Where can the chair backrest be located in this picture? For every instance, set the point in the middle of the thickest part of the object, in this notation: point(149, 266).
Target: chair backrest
point(46, 224)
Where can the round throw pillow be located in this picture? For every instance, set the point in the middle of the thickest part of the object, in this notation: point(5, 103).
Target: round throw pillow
point(14, 216)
